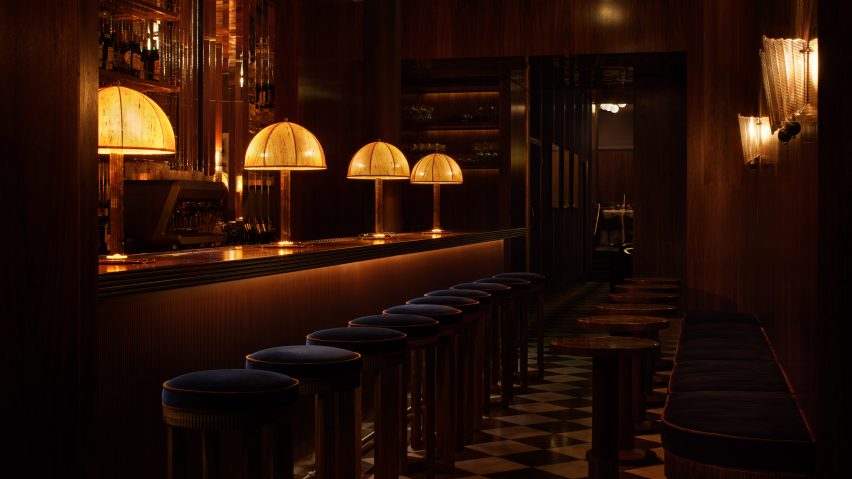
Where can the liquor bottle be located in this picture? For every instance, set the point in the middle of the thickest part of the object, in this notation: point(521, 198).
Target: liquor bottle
point(126, 54)
point(154, 60)
point(108, 62)
point(136, 56)
point(145, 63)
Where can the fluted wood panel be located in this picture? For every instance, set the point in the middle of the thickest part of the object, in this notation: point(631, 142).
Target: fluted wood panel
point(145, 339)
point(49, 137)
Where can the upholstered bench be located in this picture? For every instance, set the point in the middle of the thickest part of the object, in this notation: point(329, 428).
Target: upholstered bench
point(730, 412)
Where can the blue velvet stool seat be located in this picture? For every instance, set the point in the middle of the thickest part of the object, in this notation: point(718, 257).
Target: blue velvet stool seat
point(230, 399)
point(418, 381)
point(450, 321)
point(513, 334)
point(383, 351)
point(535, 309)
point(468, 340)
point(331, 376)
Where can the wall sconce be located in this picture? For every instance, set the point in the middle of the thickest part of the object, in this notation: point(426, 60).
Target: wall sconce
point(283, 147)
point(129, 123)
point(756, 137)
point(612, 107)
point(789, 69)
point(378, 161)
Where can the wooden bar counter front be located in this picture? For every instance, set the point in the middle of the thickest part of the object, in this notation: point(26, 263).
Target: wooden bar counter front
point(206, 309)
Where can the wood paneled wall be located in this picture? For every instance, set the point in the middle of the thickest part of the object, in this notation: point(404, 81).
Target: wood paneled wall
point(613, 173)
point(49, 135)
point(828, 328)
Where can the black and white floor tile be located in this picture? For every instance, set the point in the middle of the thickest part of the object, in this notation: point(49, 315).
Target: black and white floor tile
point(546, 432)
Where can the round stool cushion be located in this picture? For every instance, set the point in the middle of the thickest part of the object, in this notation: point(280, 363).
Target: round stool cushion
point(443, 314)
point(229, 390)
point(303, 362)
point(533, 278)
point(516, 284)
point(494, 289)
point(481, 296)
point(412, 325)
point(466, 305)
point(366, 340)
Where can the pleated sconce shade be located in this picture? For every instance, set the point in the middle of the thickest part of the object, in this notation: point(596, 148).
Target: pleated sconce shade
point(437, 169)
point(284, 145)
point(130, 123)
point(378, 161)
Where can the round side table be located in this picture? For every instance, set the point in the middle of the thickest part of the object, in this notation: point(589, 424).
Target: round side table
point(606, 353)
point(636, 376)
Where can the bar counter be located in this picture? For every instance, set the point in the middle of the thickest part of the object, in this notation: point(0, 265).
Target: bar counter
point(207, 309)
point(167, 270)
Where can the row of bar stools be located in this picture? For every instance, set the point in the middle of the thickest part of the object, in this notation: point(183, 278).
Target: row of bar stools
point(501, 299)
point(214, 401)
point(332, 376)
point(418, 380)
point(536, 310)
point(383, 351)
point(450, 320)
point(513, 325)
point(464, 360)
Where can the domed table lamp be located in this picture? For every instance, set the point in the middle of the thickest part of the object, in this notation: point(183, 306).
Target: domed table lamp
point(283, 147)
point(378, 161)
point(436, 169)
point(129, 123)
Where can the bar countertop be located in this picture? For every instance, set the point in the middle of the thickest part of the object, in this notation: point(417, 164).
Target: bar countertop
point(150, 272)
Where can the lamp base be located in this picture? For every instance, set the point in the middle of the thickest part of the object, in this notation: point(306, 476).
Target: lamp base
point(123, 259)
point(375, 236)
point(435, 231)
point(284, 244)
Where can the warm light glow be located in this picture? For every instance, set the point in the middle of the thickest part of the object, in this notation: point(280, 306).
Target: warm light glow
point(436, 230)
point(436, 168)
point(130, 123)
point(285, 243)
point(378, 161)
point(238, 187)
point(284, 146)
point(757, 140)
point(116, 257)
point(610, 107)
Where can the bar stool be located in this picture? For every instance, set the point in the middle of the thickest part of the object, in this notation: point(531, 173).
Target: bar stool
point(465, 361)
point(383, 352)
point(450, 320)
point(501, 298)
point(422, 333)
point(512, 325)
point(213, 401)
point(331, 376)
point(479, 348)
point(636, 309)
point(537, 308)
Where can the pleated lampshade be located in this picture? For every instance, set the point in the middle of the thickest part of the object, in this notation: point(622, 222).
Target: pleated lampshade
point(284, 146)
point(378, 161)
point(437, 169)
point(130, 123)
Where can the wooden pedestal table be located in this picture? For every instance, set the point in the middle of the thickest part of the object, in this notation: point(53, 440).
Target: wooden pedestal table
point(638, 377)
point(606, 353)
point(652, 279)
point(635, 309)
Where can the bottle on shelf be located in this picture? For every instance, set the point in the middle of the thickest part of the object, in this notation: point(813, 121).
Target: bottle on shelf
point(136, 55)
point(154, 62)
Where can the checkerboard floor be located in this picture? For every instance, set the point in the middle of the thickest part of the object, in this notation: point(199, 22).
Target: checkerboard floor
point(546, 432)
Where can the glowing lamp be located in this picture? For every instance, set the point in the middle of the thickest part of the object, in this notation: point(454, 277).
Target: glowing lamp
point(436, 169)
point(378, 161)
